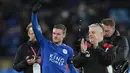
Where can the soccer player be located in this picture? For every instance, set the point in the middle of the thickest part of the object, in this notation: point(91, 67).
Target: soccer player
point(55, 55)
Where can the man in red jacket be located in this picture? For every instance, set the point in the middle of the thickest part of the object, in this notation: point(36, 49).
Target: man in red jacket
point(96, 55)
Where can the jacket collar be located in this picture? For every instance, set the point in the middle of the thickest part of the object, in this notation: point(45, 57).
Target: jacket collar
point(101, 43)
point(116, 33)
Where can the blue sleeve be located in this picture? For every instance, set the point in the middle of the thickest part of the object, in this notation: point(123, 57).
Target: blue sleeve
point(72, 68)
point(70, 65)
point(40, 38)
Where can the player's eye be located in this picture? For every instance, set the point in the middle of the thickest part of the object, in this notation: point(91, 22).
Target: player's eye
point(106, 30)
point(58, 34)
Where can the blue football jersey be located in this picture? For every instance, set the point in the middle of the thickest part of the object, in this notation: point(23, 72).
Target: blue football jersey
point(54, 58)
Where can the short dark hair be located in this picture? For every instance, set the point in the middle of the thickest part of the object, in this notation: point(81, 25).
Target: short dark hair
point(61, 26)
point(108, 22)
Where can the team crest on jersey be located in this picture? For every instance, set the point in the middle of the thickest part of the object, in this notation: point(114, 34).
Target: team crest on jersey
point(65, 51)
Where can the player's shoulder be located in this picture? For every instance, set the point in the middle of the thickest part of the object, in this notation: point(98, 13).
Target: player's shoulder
point(67, 47)
point(22, 47)
point(121, 38)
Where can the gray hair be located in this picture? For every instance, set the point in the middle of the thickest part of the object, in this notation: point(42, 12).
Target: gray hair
point(98, 26)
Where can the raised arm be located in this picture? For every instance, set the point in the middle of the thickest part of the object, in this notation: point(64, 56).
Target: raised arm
point(36, 28)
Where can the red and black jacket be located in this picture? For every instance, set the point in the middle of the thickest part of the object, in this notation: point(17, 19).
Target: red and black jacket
point(96, 60)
